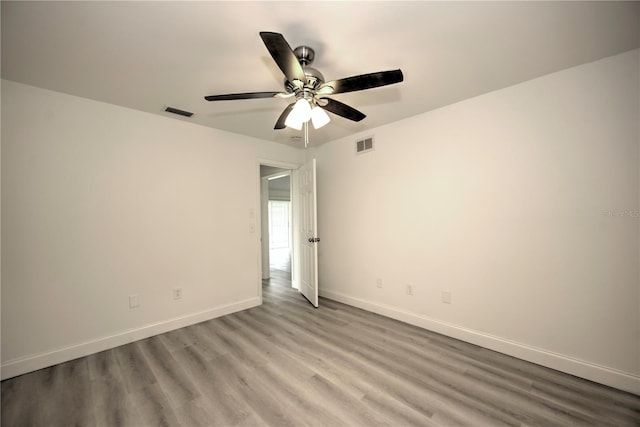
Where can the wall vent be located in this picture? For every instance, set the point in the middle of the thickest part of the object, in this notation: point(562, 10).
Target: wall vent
point(178, 111)
point(365, 144)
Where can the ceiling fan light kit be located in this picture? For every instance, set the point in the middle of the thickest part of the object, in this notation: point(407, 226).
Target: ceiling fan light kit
point(307, 86)
point(303, 112)
point(319, 117)
point(300, 114)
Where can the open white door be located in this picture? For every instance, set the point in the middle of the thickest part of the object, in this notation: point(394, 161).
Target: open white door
point(308, 232)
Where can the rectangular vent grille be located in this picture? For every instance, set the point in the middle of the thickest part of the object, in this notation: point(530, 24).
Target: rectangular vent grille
point(179, 112)
point(365, 144)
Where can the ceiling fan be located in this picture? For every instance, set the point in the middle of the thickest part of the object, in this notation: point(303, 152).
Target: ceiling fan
point(306, 86)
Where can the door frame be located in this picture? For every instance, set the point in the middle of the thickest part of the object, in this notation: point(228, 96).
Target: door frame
point(295, 262)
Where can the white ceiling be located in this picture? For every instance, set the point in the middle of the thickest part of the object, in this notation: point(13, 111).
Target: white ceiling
point(148, 55)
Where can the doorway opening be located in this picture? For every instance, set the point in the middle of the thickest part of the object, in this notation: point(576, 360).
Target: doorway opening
point(279, 219)
point(277, 230)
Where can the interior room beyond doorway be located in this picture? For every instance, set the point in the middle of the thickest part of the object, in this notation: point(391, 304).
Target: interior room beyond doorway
point(278, 221)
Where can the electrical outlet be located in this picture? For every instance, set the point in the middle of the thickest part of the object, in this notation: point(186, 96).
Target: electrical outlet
point(379, 282)
point(177, 293)
point(134, 302)
point(446, 297)
point(409, 289)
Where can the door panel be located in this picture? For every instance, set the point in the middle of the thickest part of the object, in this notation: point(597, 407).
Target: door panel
point(308, 233)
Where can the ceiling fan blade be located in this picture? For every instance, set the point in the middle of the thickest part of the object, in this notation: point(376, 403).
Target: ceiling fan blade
point(248, 95)
point(283, 56)
point(364, 81)
point(280, 123)
point(343, 110)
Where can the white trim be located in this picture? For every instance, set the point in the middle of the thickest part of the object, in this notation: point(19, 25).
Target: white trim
point(278, 175)
point(265, 255)
point(12, 368)
point(601, 374)
point(295, 229)
point(277, 164)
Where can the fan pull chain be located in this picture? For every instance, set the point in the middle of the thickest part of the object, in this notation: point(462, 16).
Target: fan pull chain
point(306, 134)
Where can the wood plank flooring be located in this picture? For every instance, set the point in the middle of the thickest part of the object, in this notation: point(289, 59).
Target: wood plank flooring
point(287, 364)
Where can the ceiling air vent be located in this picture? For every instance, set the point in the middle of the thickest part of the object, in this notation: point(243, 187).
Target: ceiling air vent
point(178, 112)
point(365, 144)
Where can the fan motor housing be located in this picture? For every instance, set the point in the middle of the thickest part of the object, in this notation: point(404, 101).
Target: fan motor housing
point(305, 56)
point(314, 79)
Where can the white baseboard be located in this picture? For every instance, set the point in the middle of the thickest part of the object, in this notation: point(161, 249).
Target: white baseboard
point(580, 368)
point(15, 367)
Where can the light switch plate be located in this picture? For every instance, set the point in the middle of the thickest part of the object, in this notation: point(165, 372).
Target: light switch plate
point(446, 297)
point(134, 302)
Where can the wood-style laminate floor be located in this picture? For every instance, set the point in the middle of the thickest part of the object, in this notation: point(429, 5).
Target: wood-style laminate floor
point(287, 364)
